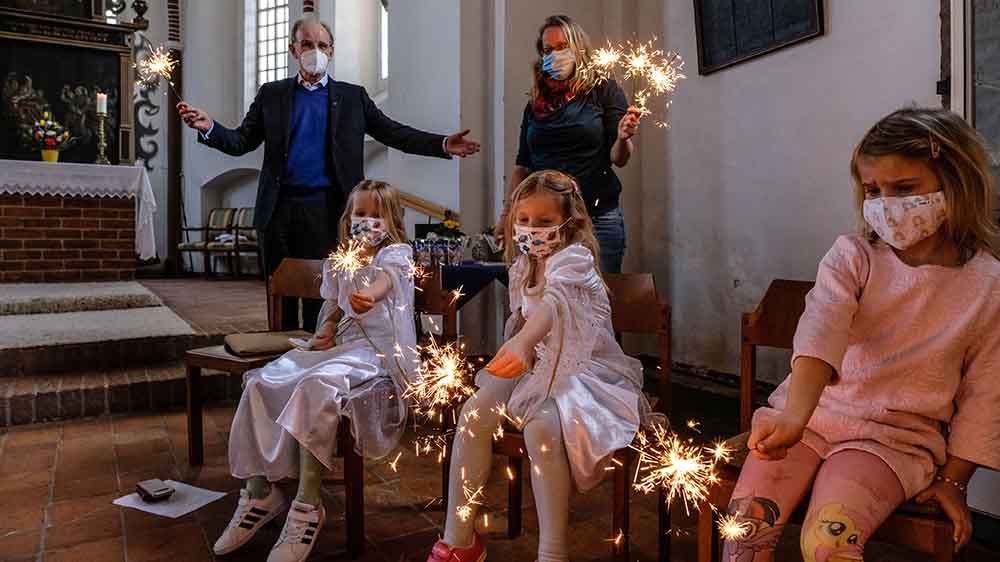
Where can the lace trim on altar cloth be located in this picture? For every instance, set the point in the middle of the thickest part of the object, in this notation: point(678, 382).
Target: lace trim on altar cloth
point(87, 180)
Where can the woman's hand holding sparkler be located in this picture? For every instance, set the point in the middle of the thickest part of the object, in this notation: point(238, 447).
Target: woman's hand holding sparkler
point(193, 117)
point(628, 127)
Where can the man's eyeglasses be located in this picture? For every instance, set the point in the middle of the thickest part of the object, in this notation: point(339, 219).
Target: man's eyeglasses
point(308, 45)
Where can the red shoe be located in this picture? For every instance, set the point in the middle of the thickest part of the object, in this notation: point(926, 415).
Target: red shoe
point(444, 553)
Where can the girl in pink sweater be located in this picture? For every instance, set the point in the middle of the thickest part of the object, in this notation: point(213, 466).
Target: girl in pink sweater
point(895, 380)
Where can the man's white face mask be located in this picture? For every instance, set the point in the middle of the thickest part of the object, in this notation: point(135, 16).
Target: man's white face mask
point(314, 61)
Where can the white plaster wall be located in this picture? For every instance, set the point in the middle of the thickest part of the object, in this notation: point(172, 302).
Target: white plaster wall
point(757, 184)
point(213, 80)
point(356, 42)
point(158, 176)
point(424, 91)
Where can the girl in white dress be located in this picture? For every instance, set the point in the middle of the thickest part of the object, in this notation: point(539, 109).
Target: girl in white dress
point(356, 365)
point(560, 372)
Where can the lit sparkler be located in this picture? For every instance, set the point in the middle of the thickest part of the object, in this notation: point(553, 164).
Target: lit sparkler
point(653, 72)
point(159, 64)
point(442, 379)
point(683, 469)
point(349, 258)
point(731, 528)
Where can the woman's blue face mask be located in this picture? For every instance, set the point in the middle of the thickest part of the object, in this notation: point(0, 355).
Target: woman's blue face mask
point(559, 65)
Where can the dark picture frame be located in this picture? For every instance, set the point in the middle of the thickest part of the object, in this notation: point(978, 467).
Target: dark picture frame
point(730, 32)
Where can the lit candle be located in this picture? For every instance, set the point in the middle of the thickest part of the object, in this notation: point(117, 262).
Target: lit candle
point(102, 103)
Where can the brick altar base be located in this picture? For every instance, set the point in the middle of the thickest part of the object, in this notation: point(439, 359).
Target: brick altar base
point(47, 238)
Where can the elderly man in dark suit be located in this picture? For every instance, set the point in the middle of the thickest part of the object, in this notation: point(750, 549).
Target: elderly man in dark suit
point(313, 130)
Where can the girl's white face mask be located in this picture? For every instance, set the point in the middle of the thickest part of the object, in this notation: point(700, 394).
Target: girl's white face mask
point(368, 229)
point(537, 241)
point(901, 222)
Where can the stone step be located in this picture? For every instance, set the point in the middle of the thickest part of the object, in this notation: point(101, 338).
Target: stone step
point(32, 399)
point(99, 355)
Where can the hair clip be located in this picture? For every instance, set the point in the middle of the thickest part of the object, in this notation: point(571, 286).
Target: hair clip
point(935, 147)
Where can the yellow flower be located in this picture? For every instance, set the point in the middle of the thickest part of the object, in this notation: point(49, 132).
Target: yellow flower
point(66, 135)
point(42, 122)
point(451, 224)
point(45, 115)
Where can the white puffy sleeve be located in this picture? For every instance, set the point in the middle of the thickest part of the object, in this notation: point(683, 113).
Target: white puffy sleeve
point(577, 296)
point(329, 290)
point(396, 261)
point(515, 283)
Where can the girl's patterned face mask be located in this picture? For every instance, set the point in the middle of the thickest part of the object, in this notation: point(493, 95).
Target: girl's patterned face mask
point(369, 229)
point(537, 241)
point(901, 222)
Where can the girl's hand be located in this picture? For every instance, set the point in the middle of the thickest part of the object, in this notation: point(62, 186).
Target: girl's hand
point(955, 505)
point(628, 127)
point(511, 361)
point(361, 303)
point(772, 436)
point(323, 339)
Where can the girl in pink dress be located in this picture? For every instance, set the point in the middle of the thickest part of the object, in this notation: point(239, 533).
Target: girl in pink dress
point(896, 365)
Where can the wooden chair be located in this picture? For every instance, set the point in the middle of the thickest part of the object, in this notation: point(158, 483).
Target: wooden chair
point(244, 242)
point(293, 278)
point(635, 308)
point(920, 527)
point(219, 221)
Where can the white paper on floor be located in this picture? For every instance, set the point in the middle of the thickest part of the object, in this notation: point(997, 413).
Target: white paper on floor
point(184, 500)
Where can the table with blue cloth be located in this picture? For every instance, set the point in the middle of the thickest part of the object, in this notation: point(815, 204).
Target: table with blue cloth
point(472, 277)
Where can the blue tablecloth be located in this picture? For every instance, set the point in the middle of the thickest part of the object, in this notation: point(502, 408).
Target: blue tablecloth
point(472, 277)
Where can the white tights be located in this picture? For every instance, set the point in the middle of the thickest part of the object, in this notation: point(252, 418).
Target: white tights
point(550, 476)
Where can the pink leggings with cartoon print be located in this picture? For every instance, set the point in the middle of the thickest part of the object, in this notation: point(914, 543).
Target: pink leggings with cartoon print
point(853, 492)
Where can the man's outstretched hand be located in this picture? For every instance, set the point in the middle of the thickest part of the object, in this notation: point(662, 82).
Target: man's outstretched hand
point(458, 145)
point(193, 117)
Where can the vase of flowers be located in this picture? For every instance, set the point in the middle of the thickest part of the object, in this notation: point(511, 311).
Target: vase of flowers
point(48, 136)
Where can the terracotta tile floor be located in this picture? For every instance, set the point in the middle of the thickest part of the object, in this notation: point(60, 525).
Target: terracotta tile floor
point(57, 482)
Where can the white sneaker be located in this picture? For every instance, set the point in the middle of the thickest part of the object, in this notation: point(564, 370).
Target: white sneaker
point(298, 536)
point(250, 516)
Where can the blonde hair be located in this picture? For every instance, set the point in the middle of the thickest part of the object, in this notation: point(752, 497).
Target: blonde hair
point(390, 210)
point(956, 153)
point(578, 228)
point(579, 42)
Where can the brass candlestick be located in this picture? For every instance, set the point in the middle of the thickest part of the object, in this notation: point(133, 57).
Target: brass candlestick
point(102, 144)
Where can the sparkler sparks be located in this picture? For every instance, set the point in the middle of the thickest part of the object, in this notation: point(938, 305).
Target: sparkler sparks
point(683, 469)
point(349, 258)
point(395, 461)
point(455, 295)
point(731, 528)
point(653, 72)
point(472, 497)
point(442, 379)
point(159, 64)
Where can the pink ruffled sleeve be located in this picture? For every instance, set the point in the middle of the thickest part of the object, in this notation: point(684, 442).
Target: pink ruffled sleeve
point(825, 325)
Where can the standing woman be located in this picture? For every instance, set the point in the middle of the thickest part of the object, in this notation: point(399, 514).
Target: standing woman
point(579, 125)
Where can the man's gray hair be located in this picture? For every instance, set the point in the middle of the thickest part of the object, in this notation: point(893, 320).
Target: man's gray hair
point(304, 20)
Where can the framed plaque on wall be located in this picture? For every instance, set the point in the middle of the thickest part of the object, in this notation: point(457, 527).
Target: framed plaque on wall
point(733, 31)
